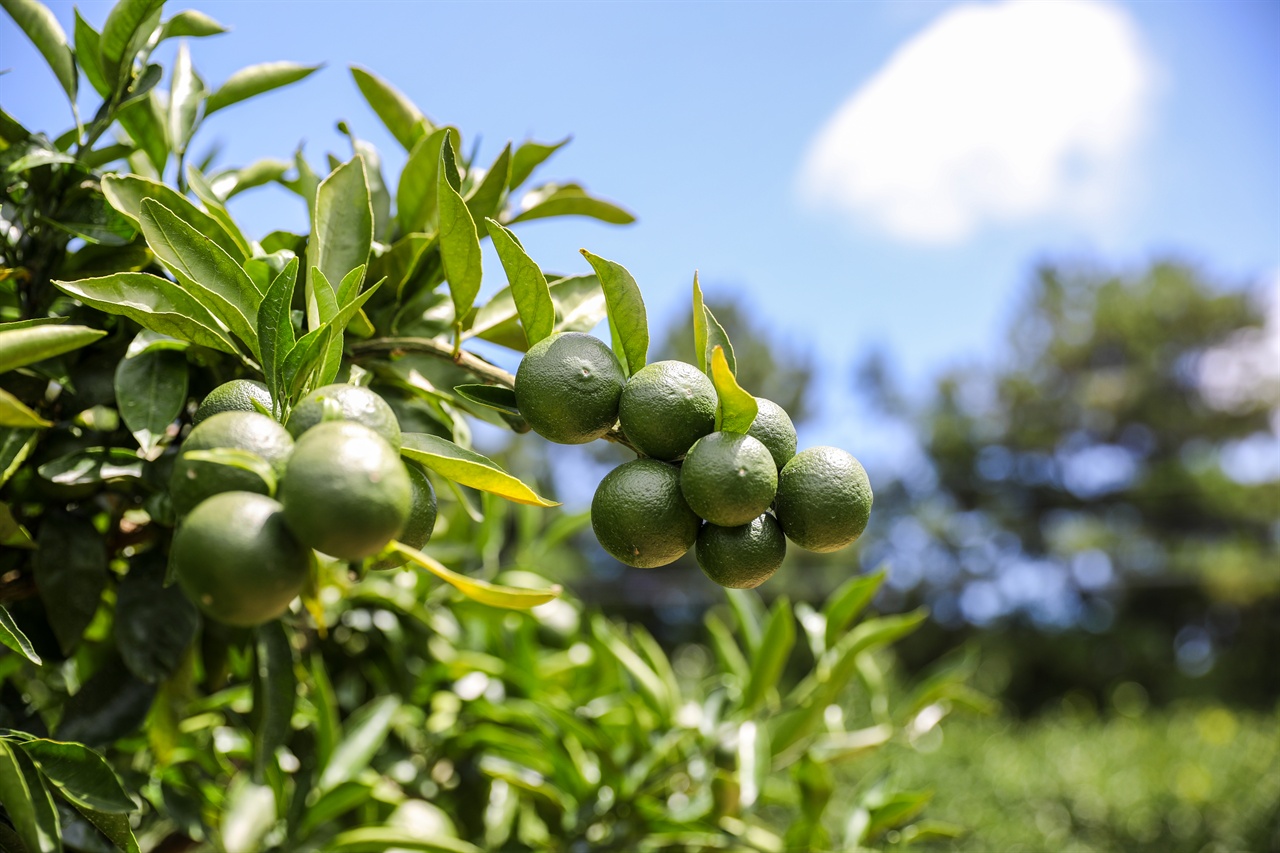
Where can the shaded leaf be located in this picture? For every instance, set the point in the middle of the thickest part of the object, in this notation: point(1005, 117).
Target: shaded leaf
point(775, 649)
point(27, 801)
point(114, 826)
point(213, 204)
point(70, 569)
point(93, 465)
point(497, 397)
point(255, 80)
point(275, 690)
point(14, 414)
point(485, 198)
point(88, 56)
point(275, 329)
point(120, 32)
point(467, 468)
point(364, 733)
point(628, 322)
point(11, 635)
point(494, 595)
point(81, 774)
point(736, 409)
point(154, 624)
point(144, 121)
point(376, 839)
point(416, 191)
point(151, 390)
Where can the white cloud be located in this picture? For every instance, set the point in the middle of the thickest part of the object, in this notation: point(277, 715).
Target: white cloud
point(994, 113)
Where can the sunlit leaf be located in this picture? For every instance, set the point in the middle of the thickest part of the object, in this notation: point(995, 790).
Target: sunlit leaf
point(254, 80)
point(467, 468)
point(12, 636)
point(628, 321)
point(737, 409)
point(494, 595)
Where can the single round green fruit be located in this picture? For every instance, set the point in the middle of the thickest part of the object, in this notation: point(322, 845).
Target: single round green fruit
point(568, 387)
point(237, 560)
point(824, 499)
point(773, 428)
point(741, 557)
point(234, 396)
point(666, 407)
point(193, 481)
point(728, 478)
point(345, 491)
point(345, 403)
point(640, 517)
point(422, 519)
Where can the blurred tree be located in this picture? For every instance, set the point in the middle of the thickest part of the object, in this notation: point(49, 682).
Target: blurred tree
point(1120, 469)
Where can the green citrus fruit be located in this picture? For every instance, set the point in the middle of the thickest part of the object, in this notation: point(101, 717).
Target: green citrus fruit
point(824, 499)
point(234, 396)
point(237, 560)
point(666, 407)
point(728, 479)
point(568, 386)
point(193, 481)
point(773, 428)
point(345, 403)
point(345, 491)
point(741, 557)
point(639, 515)
point(422, 518)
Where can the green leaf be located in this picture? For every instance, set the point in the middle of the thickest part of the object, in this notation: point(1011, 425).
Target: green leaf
point(154, 303)
point(342, 230)
point(717, 337)
point(190, 23)
point(303, 361)
point(775, 650)
point(13, 637)
point(127, 192)
point(570, 200)
point(15, 414)
point(485, 198)
point(232, 182)
point(254, 80)
point(144, 121)
point(528, 285)
point(628, 322)
point(405, 121)
point(376, 839)
point(749, 614)
point(94, 465)
point(700, 348)
point(467, 468)
point(110, 705)
point(651, 686)
point(27, 801)
point(726, 648)
point(248, 814)
point(847, 602)
point(365, 731)
point(494, 595)
point(154, 623)
point(401, 263)
point(274, 695)
point(275, 328)
point(416, 191)
point(15, 446)
point(459, 241)
point(70, 570)
point(37, 158)
point(20, 347)
point(204, 267)
point(320, 299)
point(218, 210)
point(737, 409)
point(186, 90)
point(495, 397)
point(151, 390)
point(120, 33)
point(42, 27)
point(88, 56)
point(379, 195)
point(579, 307)
point(115, 827)
point(842, 746)
point(528, 157)
point(81, 774)
point(245, 460)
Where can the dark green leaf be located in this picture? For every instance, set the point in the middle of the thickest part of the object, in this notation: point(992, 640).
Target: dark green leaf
point(570, 200)
point(775, 650)
point(190, 23)
point(726, 648)
point(405, 121)
point(95, 465)
point(467, 468)
point(275, 691)
point(234, 457)
point(20, 347)
point(87, 215)
point(70, 568)
point(717, 337)
point(127, 192)
point(492, 396)
point(154, 303)
point(275, 328)
point(254, 80)
point(363, 735)
point(151, 390)
point(529, 289)
point(42, 27)
point(27, 801)
point(111, 704)
point(81, 774)
point(459, 240)
point(342, 232)
point(528, 157)
point(88, 56)
point(142, 85)
point(736, 409)
point(847, 602)
point(144, 121)
point(115, 827)
point(485, 199)
point(416, 192)
point(628, 322)
point(154, 624)
point(12, 636)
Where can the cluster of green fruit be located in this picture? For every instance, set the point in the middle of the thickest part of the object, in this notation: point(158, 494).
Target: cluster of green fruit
point(693, 483)
point(339, 485)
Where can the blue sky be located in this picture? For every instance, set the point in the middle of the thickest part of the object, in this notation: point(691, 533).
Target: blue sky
point(846, 167)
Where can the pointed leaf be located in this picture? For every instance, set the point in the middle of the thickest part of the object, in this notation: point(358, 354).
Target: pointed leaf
point(342, 231)
point(154, 303)
point(405, 121)
point(20, 347)
point(127, 192)
point(151, 391)
point(81, 774)
point(191, 23)
point(528, 157)
point(628, 322)
point(218, 210)
point(94, 465)
point(847, 602)
point(737, 409)
point(485, 199)
point(717, 337)
point(15, 414)
point(491, 396)
point(700, 347)
point(416, 192)
point(494, 595)
point(254, 80)
point(12, 636)
point(88, 56)
point(121, 31)
point(467, 468)
point(570, 200)
point(28, 801)
point(528, 285)
point(154, 623)
point(144, 121)
point(376, 839)
point(115, 827)
point(365, 731)
point(459, 241)
point(186, 90)
point(70, 569)
point(775, 650)
point(274, 695)
point(42, 27)
point(275, 328)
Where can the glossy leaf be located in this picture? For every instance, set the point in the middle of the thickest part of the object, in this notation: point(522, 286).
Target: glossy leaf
point(70, 570)
point(15, 414)
point(700, 348)
point(485, 198)
point(127, 192)
point(255, 80)
point(114, 826)
point(416, 192)
point(467, 468)
point(199, 184)
point(775, 649)
point(528, 157)
point(342, 229)
point(202, 265)
point(570, 200)
point(186, 90)
point(579, 306)
point(94, 465)
point(144, 121)
point(151, 390)
point(848, 601)
point(376, 839)
point(27, 801)
point(628, 322)
point(120, 31)
point(20, 347)
point(88, 55)
point(459, 240)
point(494, 595)
point(154, 624)
point(42, 27)
point(363, 736)
point(302, 362)
point(275, 328)
point(154, 303)
point(81, 774)
point(528, 285)
point(258, 173)
point(191, 23)
point(400, 115)
point(274, 695)
point(717, 337)
point(11, 635)
point(737, 409)
point(379, 194)
point(496, 397)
